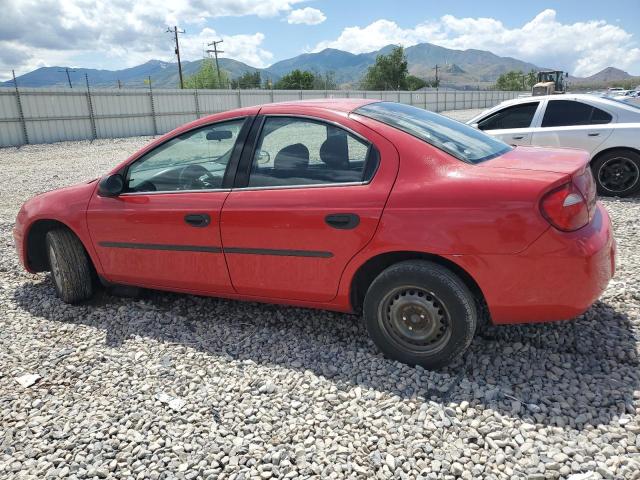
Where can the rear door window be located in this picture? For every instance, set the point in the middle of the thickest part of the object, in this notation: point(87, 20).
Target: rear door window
point(562, 113)
point(516, 116)
point(295, 151)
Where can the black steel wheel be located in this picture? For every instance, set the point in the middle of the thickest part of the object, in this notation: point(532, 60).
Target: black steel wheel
point(415, 319)
point(420, 313)
point(617, 173)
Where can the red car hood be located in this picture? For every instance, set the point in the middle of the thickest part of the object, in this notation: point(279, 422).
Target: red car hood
point(559, 160)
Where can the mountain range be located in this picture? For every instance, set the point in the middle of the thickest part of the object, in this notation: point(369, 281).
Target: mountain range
point(457, 68)
point(607, 75)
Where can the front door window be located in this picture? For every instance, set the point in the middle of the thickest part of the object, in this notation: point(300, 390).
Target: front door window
point(195, 160)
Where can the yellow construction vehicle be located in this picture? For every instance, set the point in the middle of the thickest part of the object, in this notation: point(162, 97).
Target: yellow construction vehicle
point(550, 82)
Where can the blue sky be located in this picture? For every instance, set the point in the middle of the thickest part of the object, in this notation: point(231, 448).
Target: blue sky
point(580, 37)
point(286, 40)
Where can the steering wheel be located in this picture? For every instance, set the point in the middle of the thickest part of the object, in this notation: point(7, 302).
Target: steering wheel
point(196, 177)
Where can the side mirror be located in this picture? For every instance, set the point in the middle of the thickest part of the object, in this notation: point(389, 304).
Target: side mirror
point(474, 125)
point(263, 157)
point(111, 185)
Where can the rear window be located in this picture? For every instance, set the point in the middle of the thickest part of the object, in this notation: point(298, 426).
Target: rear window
point(457, 139)
point(627, 103)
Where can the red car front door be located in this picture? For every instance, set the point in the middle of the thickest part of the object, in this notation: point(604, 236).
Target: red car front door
point(164, 231)
point(308, 197)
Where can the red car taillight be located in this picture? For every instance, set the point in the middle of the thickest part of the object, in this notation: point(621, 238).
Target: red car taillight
point(587, 185)
point(565, 208)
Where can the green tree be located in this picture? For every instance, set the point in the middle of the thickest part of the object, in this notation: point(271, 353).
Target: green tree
point(324, 81)
point(516, 80)
point(247, 80)
point(268, 84)
point(207, 77)
point(388, 73)
point(531, 78)
point(415, 83)
point(296, 80)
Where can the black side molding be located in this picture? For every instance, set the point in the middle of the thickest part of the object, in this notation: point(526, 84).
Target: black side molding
point(206, 249)
point(159, 246)
point(278, 252)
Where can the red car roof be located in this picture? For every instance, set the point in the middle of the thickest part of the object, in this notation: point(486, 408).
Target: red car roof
point(335, 104)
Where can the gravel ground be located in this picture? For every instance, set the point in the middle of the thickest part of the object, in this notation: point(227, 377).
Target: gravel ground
point(177, 386)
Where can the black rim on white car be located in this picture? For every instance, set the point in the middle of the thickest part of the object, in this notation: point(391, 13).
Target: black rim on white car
point(415, 319)
point(618, 174)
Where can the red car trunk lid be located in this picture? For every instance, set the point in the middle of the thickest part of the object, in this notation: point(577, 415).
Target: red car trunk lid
point(559, 160)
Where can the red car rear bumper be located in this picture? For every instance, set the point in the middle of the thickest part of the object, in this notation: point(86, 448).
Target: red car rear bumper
point(558, 277)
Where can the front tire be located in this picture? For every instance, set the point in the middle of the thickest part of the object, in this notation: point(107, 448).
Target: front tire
point(69, 264)
point(617, 173)
point(420, 313)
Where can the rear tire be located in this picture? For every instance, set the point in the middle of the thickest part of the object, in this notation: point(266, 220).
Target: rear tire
point(70, 267)
point(420, 313)
point(617, 173)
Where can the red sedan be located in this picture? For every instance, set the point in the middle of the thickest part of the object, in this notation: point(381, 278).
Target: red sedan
point(425, 225)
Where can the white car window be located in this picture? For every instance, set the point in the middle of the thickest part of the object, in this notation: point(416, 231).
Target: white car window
point(515, 116)
point(560, 113)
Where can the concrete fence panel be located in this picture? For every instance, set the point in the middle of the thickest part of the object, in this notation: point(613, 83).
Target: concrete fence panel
point(57, 114)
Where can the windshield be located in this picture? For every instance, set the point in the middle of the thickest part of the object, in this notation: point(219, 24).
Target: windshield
point(457, 139)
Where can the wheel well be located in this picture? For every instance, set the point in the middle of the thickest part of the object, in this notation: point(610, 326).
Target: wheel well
point(612, 149)
point(37, 244)
point(368, 271)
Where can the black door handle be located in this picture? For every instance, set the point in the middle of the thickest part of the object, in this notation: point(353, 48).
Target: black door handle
point(593, 134)
point(197, 219)
point(342, 221)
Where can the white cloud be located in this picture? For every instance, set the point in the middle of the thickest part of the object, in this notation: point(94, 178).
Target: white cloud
point(379, 34)
point(307, 16)
point(35, 33)
point(582, 48)
point(245, 48)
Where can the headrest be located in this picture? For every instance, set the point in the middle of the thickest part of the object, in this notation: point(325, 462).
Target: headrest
point(292, 157)
point(334, 152)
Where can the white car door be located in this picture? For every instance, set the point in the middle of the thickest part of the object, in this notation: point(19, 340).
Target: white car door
point(511, 124)
point(574, 124)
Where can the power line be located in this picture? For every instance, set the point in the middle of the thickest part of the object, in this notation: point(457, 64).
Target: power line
point(67, 70)
point(216, 52)
point(175, 32)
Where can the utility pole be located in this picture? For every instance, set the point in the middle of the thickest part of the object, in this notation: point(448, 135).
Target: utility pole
point(20, 111)
point(119, 84)
point(66, 70)
point(437, 83)
point(175, 32)
point(216, 52)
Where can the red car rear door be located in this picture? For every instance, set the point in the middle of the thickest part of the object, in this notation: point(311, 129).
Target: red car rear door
point(308, 196)
point(164, 230)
